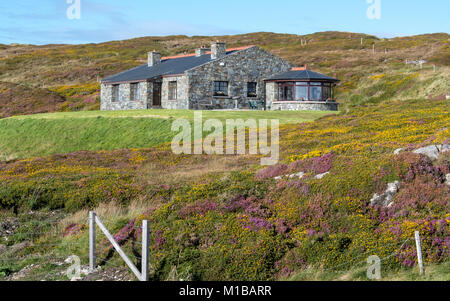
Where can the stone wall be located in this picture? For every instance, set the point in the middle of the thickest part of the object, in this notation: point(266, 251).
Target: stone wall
point(271, 94)
point(250, 65)
point(304, 106)
point(147, 94)
point(124, 102)
point(182, 101)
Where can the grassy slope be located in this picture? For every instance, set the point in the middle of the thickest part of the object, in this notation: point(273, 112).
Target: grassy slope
point(61, 133)
point(72, 71)
point(278, 229)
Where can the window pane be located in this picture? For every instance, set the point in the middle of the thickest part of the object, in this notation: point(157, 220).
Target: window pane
point(134, 91)
point(220, 88)
point(251, 89)
point(326, 93)
point(315, 84)
point(115, 93)
point(289, 93)
point(315, 93)
point(301, 93)
point(173, 86)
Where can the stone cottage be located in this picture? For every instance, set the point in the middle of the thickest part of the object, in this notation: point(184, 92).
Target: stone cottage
point(218, 78)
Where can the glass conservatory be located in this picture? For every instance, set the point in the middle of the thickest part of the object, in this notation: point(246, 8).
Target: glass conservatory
point(302, 89)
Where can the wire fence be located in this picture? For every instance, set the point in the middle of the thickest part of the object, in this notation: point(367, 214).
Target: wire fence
point(367, 254)
point(111, 260)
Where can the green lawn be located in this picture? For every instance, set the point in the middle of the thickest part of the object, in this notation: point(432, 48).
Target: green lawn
point(60, 133)
point(285, 117)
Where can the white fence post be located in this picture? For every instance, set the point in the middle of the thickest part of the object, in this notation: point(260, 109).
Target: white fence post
point(118, 248)
point(419, 253)
point(141, 275)
point(92, 241)
point(145, 245)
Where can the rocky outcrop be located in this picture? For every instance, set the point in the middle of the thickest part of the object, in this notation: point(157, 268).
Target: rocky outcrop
point(321, 176)
point(398, 151)
point(385, 199)
point(432, 151)
point(299, 175)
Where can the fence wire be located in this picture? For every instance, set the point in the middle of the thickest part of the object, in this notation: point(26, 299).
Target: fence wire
point(107, 261)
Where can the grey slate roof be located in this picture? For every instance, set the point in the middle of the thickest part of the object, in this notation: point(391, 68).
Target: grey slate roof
point(302, 75)
point(167, 67)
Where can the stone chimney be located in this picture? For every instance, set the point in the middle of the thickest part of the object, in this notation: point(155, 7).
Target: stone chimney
point(218, 50)
point(201, 51)
point(154, 58)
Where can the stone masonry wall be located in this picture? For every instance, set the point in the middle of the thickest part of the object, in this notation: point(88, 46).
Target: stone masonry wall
point(271, 94)
point(124, 103)
point(305, 106)
point(250, 65)
point(182, 101)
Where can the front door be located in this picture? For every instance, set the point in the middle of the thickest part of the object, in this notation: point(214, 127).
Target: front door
point(157, 87)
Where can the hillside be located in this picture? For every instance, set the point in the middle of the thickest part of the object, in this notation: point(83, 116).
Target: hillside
point(73, 71)
point(227, 217)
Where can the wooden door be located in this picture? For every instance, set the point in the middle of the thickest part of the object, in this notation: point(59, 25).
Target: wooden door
point(157, 87)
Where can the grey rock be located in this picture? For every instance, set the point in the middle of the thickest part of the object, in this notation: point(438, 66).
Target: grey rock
point(432, 151)
point(299, 175)
point(398, 151)
point(386, 198)
point(447, 179)
point(321, 176)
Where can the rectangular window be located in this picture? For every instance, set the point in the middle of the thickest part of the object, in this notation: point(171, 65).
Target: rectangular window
point(286, 91)
point(134, 92)
point(172, 90)
point(315, 93)
point(115, 93)
point(301, 93)
point(251, 89)
point(326, 93)
point(220, 88)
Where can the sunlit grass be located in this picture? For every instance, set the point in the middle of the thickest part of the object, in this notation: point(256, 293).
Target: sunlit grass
point(61, 133)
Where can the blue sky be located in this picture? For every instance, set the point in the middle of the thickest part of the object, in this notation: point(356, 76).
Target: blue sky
point(46, 21)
